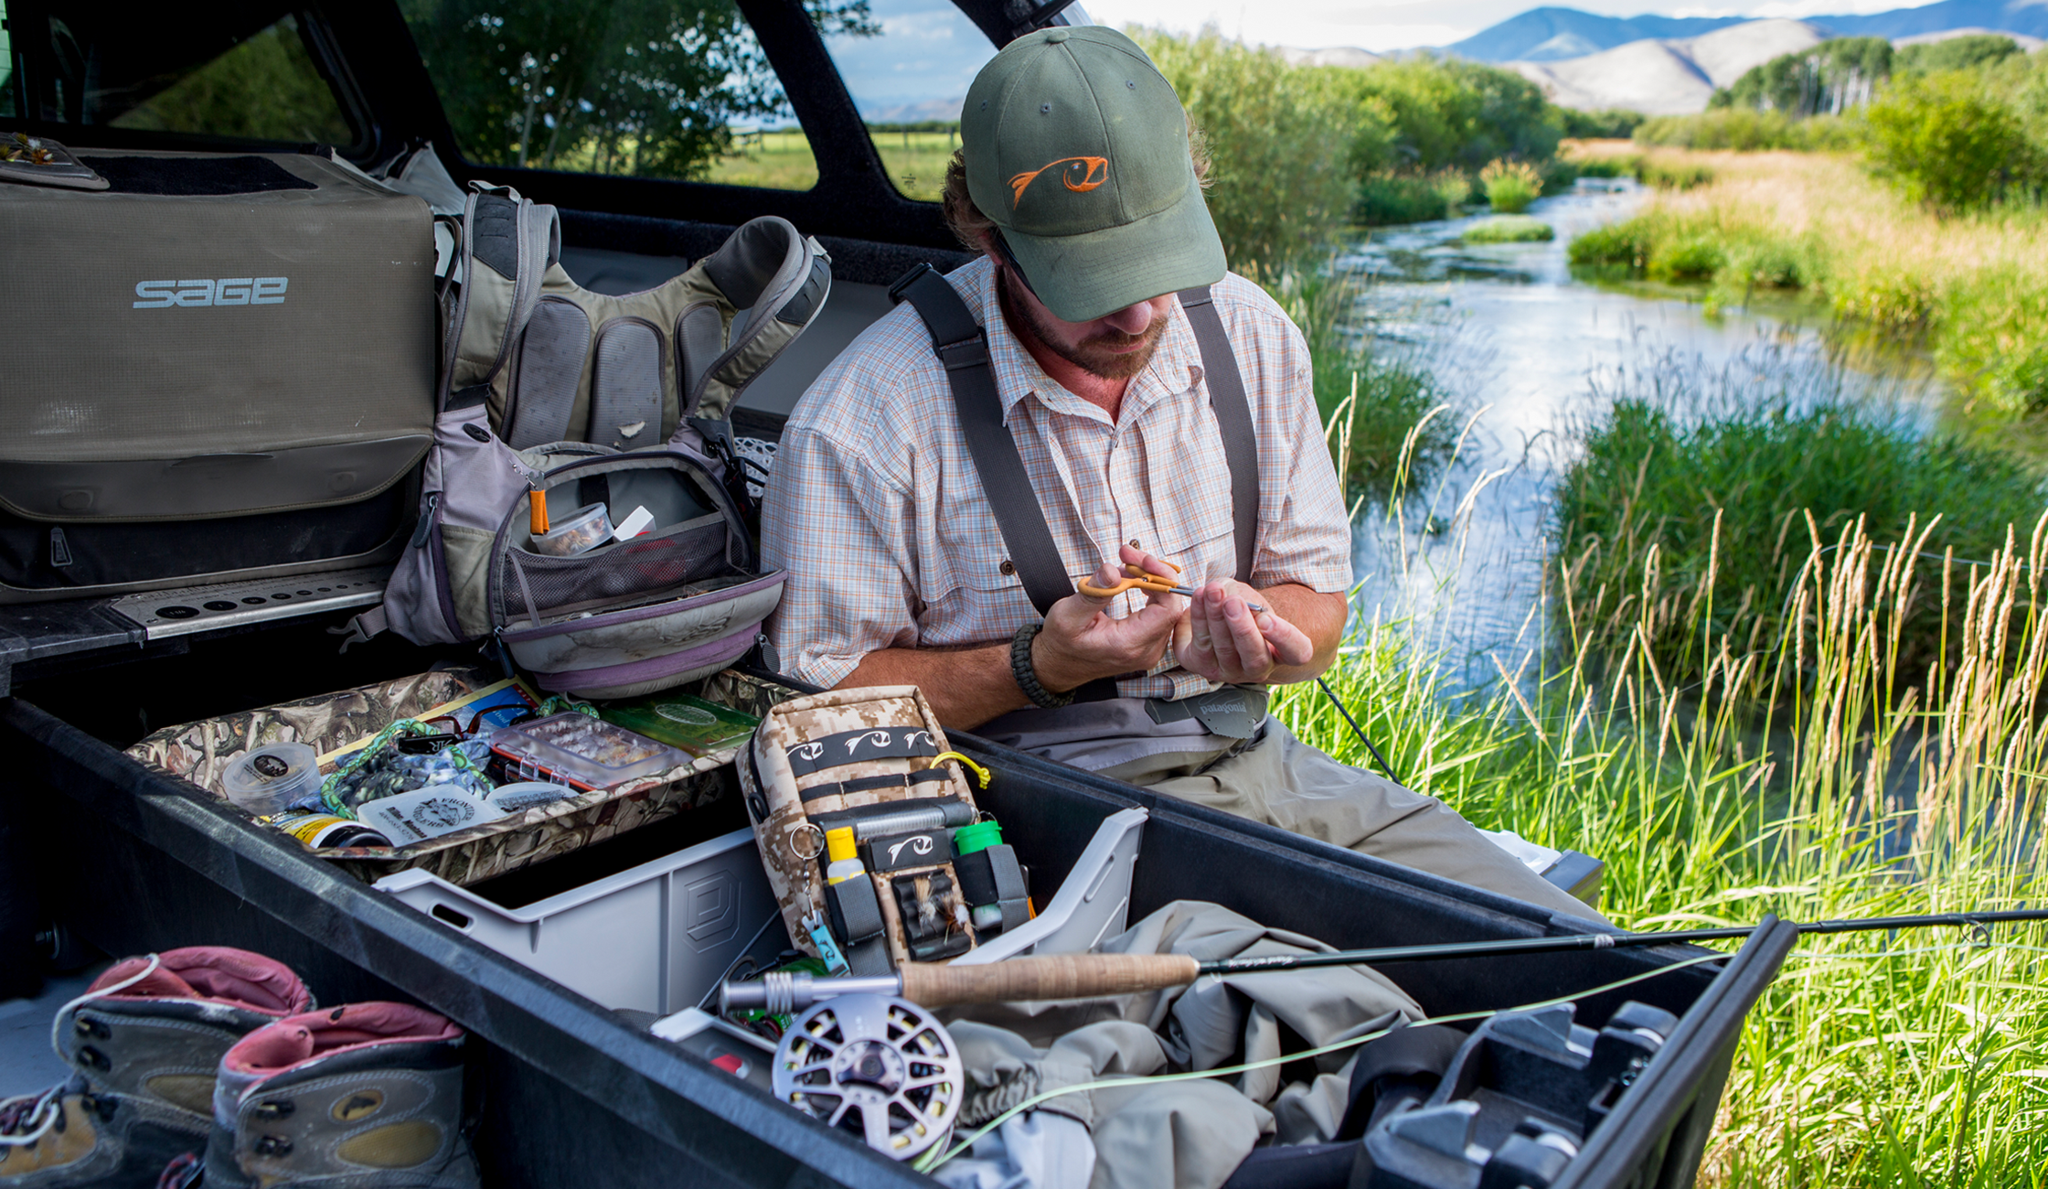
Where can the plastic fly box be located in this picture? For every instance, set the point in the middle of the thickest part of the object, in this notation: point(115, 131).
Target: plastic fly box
point(655, 937)
point(581, 751)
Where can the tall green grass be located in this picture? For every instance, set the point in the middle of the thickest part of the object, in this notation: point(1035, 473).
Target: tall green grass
point(1699, 495)
point(1916, 1059)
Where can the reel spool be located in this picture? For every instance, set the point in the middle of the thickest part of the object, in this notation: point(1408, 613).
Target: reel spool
point(878, 1066)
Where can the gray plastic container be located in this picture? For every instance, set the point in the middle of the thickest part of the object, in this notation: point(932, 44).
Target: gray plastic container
point(652, 938)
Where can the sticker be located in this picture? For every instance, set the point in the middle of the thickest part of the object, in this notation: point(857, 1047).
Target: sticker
point(270, 767)
point(426, 813)
point(687, 714)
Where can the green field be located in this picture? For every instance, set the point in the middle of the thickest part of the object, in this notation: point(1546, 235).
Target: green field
point(782, 160)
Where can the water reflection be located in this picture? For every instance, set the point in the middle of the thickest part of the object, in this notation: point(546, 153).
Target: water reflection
point(1532, 352)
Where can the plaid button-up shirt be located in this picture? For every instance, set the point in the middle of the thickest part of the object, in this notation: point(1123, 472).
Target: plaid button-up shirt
point(877, 512)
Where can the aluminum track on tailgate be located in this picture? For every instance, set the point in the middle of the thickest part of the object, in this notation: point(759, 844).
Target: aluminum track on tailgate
point(166, 613)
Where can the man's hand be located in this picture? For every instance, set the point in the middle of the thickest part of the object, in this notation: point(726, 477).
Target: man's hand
point(1081, 643)
point(1223, 639)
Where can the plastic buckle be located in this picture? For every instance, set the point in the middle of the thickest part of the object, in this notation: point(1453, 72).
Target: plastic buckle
point(904, 282)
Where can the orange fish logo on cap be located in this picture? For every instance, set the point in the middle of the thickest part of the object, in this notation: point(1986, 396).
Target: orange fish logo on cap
point(1079, 174)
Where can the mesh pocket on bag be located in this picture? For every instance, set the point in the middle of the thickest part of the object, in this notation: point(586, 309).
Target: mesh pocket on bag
point(643, 570)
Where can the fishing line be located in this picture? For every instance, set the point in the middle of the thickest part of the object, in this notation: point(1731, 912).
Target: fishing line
point(929, 1164)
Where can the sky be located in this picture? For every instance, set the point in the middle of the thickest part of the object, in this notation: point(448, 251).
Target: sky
point(1403, 24)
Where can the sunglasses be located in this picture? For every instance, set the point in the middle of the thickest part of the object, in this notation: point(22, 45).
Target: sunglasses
point(1010, 258)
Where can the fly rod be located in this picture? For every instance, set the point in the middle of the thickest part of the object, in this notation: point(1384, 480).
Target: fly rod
point(1081, 976)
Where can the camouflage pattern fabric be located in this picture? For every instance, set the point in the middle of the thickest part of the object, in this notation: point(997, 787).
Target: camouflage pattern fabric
point(790, 844)
point(200, 752)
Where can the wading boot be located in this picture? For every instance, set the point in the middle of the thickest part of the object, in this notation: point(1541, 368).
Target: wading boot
point(145, 1039)
point(367, 1096)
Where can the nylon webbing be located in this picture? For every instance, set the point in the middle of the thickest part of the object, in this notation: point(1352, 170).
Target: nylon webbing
point(962, 346)
point(1233, 418)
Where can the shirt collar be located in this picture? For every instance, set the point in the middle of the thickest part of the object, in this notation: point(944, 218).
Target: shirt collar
point(1175, 367)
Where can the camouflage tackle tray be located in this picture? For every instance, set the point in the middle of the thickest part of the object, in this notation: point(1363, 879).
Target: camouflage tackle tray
point(199, 752)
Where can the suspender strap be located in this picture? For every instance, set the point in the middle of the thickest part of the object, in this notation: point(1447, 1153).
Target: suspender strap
point(963, 348)
point(1233, 417)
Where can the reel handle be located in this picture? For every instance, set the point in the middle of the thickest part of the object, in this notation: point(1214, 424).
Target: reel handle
point(1054, 976)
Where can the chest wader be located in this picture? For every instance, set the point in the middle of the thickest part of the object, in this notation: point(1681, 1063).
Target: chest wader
point(1100, 729)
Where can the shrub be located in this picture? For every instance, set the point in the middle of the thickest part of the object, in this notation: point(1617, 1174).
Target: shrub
point(1686, 258)
point(1448, 112)
point(1390, 197)
point(1510, 185)
point(1674, 175)
point(1280, 173)
point(1956, 53)
point(1748, 130)
point(1946, 145)
point(1608, 165)
point(1509, 229)
point(1612, 124)
point(1618, 245)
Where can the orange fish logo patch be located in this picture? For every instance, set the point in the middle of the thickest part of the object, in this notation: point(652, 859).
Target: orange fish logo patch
point(1079, 174)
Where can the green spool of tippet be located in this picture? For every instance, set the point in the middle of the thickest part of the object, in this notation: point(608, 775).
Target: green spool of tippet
point(977, 837)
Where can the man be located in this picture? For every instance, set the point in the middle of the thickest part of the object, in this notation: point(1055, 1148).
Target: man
point(1076, 182)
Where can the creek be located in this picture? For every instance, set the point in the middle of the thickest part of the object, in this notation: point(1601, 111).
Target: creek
point(1529, 354)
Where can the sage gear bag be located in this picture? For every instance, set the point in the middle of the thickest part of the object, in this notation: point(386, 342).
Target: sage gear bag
point(220, 367)
point(552, 392)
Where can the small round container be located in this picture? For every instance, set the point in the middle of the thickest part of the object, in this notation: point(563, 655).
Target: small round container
point(324, 831)
point(579, 532)
point(513, 798)
point(977, 837)
point(269, 780)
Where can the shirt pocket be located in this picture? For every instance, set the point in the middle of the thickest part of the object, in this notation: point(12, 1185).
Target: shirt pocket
point(1191, 511)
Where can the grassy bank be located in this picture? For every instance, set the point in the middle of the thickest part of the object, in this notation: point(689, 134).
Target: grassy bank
point(1909, 1060)
point(1698, 497)
point(782, 160)
point(1976, 284)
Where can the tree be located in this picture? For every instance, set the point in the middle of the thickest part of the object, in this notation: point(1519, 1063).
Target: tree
point(1946, 144)
point(647, 88)
point(1830, 78)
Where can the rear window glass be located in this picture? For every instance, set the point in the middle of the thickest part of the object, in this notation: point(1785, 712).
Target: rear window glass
point(7, 103)
point(631, 88)
point(245, 73)
point(908, 80)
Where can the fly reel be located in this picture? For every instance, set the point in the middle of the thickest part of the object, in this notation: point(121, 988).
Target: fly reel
point(878, 1066)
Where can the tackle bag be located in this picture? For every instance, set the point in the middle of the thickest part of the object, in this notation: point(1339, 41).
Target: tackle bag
point(551, 392)
point(875, 759)
point(221, 367)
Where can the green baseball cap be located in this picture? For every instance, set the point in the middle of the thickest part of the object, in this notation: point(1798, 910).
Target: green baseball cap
point(1077, 148)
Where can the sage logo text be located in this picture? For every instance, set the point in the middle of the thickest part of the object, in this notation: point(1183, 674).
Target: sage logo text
point(227, 291)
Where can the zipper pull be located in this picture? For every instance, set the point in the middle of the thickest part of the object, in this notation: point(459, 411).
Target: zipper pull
point(426, 524)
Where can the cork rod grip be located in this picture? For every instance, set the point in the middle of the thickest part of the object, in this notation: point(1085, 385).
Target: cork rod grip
point(1055, 976)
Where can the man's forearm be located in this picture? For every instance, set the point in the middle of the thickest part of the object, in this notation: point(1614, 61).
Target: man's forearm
point(965, 686)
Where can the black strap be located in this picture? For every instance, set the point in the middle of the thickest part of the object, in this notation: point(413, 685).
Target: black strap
point(962, 346)
point(1233, 417)
point(851, 747)
point(868, 784)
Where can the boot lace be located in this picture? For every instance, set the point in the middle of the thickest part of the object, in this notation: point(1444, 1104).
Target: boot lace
point(26, 1118)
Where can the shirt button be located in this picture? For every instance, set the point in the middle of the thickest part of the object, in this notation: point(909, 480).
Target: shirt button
point(1006, 569)
point(1134, 543)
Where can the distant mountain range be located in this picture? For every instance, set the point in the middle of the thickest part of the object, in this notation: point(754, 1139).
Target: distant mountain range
point(1554, 34)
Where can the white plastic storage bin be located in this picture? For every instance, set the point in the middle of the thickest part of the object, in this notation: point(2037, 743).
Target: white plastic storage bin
point(651, 938)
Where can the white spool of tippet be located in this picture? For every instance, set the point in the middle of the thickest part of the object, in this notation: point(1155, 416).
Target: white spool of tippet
point(269, 780)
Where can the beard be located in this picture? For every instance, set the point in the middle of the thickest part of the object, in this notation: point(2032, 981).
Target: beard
point(1107, 355)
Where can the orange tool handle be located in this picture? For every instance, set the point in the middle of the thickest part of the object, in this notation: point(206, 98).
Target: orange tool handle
point(537, 511)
